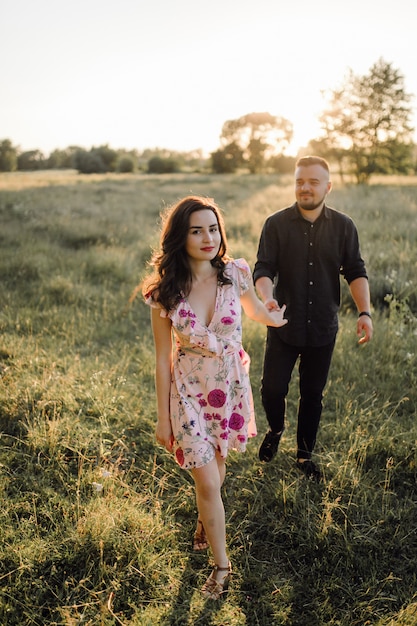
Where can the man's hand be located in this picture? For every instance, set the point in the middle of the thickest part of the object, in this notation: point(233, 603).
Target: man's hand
point(272, 305)
point(364, 329)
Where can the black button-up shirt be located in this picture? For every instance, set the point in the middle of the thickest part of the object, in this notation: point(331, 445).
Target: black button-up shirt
point(305, 260)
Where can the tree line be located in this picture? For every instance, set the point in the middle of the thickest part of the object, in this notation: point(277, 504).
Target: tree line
point(365, 128)
point(99, 159)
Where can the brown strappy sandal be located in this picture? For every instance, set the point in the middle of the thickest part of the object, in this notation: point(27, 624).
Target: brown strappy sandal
point(216, 584)
point(200, 541)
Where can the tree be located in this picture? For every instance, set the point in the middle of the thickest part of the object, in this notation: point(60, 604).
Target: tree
point(126, 164)
point(108, 156)
point(88, 162)
point(330, 150)
point(258, 136)
point(161, 165)
point(8, 156)
point(96, 161)
point(366, 116)
point(228, 159)
point(62, 159)
point(31, 160)
point(282, 164)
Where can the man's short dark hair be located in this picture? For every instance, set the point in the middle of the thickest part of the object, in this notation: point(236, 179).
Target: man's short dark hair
point(312, 160)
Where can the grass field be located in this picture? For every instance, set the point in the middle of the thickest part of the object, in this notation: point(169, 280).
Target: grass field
point(96, 519)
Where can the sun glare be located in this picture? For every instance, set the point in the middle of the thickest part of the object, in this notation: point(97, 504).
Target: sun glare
point(306, 127)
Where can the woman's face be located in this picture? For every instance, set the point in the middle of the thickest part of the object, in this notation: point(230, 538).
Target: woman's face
point(203, 238)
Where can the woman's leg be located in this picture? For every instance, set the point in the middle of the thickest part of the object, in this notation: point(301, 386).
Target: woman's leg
point(208, 482)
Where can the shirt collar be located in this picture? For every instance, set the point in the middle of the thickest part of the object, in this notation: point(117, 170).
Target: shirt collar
point(297, 215)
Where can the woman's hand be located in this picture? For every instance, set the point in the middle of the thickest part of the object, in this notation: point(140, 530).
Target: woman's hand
point(164, 435)
point(277, 316)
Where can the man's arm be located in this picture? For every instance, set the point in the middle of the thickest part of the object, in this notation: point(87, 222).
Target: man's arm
point(265, 288)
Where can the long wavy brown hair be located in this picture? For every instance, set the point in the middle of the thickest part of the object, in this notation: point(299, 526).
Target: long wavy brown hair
point(171, 278)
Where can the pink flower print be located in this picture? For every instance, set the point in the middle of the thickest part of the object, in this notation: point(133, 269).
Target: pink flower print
point(241, 438)
point(224, 423)
point(224, 435)
point(182, 313)
point(202, 402)
point(217, 416)
point(216, 398)
point(236, 421)
point(227, 321)
point(208, 416)
point(179, 455)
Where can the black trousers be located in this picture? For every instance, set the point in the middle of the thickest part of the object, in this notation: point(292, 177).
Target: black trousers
point(279, 361)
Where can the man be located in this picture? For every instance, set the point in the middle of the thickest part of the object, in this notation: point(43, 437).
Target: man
point(302, 252)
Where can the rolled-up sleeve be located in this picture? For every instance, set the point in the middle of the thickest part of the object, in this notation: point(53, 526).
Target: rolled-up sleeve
point(353, 264)
point(266, 264)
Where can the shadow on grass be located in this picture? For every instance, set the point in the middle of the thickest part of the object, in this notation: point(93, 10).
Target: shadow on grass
point(278, 583)
point(180, 613)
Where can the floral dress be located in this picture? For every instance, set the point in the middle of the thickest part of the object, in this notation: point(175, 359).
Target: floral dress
point(211, 404)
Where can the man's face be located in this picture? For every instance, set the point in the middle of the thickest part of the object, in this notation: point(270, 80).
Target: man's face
point(311, 186)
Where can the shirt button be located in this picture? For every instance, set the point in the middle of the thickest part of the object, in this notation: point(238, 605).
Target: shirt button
point(311, 263)
point(311, 282)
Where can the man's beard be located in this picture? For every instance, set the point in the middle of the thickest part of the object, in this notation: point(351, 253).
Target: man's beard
point(310, 207)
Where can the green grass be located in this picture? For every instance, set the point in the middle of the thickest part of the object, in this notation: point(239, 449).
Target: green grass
point(96, 519)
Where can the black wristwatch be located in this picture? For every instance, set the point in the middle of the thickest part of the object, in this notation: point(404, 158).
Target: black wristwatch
point(365, 313)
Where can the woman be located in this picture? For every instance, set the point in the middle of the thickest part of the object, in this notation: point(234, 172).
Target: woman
point(204, 397)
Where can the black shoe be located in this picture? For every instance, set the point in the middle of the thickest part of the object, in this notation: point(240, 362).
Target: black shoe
point(269, 446)
point(310, 470)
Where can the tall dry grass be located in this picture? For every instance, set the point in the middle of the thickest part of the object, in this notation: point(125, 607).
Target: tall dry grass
point(96, 520)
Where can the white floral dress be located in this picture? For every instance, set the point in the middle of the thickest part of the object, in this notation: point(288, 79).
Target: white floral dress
point(211, 404)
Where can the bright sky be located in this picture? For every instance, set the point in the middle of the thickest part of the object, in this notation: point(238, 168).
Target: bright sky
point(168, 73)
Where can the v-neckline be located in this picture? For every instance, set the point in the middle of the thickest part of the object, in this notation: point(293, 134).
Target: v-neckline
point(214, 311)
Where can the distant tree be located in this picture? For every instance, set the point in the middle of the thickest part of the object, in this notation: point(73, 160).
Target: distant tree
point(31, 160)
point(88, 162)
point(95, 161)
point(259, 136)
point(325, 148)
point(126, 164)
point(107, 155)
point(282, 164)
point(414, 158)
point(366, 116)
point(228, 159)
point(62, 159)
point(193, 160)
point(56, 160)
point(396, 158)
point(8, 156)
point(161, 165)
point(256, 150)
